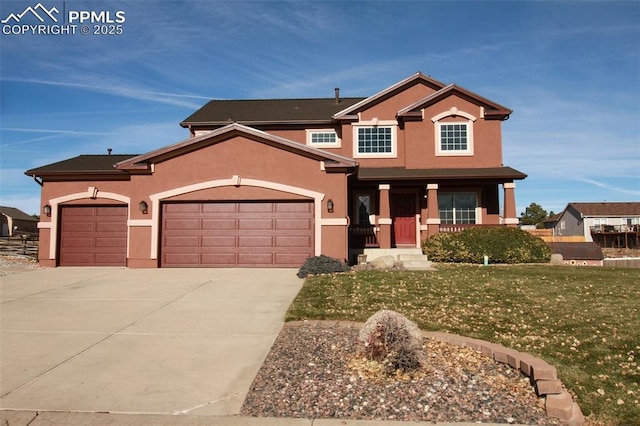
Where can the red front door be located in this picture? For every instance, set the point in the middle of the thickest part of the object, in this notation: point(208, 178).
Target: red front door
point(403, 213)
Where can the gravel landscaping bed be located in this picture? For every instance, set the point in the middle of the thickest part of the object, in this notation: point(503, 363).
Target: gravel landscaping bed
point(313, 371)
point(15, 263)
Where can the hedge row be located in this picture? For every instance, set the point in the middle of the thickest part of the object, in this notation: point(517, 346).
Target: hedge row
point(500, 244)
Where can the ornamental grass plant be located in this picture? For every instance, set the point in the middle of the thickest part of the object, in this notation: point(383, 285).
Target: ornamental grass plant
point(583, 320)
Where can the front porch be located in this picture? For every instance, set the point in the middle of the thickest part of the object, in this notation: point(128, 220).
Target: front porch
point(400, 216)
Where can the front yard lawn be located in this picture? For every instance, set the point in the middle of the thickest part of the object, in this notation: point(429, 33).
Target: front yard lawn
point(583, 320)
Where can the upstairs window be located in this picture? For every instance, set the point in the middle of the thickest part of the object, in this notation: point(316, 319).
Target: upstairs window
point(457, 208)
point(374, 141)
point(323, 138)
point(455, 135)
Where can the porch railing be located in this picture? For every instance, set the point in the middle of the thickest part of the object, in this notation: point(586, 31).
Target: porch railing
point(452, 228)
point(362, 236)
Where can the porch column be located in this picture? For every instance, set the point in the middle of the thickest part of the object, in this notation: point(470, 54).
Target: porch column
point(510, 215)
point(433, 215)
point(384, 220)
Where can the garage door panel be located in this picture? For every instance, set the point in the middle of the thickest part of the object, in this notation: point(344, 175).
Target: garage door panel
point(182, 241)
point(294, 208)
point(218, 259)
point(228, 241)
point(255, 224)
point(110, 227)
point(219, 224)
point(255, 208)
point(284, 259)
point(293, 241)
point(182, 208)
point(255, 259)
point(186, 259)
point(294, 224)
point(240, 233)
point(93, 236)
point(105, 242)
point(182, 224)
point(255, 241)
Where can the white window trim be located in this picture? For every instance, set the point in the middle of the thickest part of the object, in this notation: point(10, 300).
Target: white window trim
point(453, 112)
point(376, 123)
point(477, 209)
point(336, 144)
point(448, 153)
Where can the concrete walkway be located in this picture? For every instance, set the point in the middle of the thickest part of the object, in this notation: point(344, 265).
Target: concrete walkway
point(171, 341)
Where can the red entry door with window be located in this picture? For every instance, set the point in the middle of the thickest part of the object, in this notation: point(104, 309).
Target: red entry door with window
point(403, 213)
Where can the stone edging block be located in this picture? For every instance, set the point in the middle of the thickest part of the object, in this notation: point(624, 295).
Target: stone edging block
point(543, 376)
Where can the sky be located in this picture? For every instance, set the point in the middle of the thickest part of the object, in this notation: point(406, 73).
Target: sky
point(569, 70)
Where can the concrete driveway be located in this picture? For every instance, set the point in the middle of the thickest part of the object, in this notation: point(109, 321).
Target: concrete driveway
point(163, 341)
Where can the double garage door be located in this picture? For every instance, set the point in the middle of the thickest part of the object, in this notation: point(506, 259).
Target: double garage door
point(208, 234)
point(245, 234)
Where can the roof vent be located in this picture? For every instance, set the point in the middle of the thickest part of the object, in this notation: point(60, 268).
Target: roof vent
point(337, 90)
point(109, 151)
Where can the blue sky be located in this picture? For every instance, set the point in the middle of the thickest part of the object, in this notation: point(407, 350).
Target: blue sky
point(569, 70)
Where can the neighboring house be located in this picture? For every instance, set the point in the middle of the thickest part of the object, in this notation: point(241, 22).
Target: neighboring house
point(273, 182)
point(16, 222)
point(608, 224)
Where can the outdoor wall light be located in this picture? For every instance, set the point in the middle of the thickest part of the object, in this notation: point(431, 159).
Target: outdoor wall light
point(143, 207)
point(46, 209)
point(330, 205)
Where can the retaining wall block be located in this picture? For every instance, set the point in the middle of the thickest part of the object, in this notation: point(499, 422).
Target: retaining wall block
point(543, 371)
point(560, 406)
point(513, 358)
point(548, 387)
point(577, 418)
point(526, 361)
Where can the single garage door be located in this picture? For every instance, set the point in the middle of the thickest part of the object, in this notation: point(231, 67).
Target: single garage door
point(230, 234)
point(93, 236)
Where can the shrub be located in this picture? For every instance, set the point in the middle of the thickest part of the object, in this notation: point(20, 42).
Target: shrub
point(501, 244)
point(392, 340)
point(322, 265)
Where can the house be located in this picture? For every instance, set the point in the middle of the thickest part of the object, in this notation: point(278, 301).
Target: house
point(608, 224)
point(16, 222)
point(272, 182)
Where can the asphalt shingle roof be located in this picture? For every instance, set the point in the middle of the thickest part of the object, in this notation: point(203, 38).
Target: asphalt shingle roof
point(268, 111)
point(15, 213)
point(607, 209)
point(83, 164)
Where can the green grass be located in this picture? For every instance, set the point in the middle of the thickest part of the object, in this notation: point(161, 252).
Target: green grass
point(583, 320)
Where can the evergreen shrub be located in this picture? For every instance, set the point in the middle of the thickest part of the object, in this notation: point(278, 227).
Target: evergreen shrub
point(322, 265)
point(501, 244)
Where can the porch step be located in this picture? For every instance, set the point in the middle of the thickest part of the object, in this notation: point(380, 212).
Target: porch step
point(415, 262)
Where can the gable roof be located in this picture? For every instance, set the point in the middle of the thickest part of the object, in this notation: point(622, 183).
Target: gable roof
point(268, 111)
point(492, 109)
point(142, 162)
point(606, 209)
point(17, 214)
point(417, 78)
point(81, 165)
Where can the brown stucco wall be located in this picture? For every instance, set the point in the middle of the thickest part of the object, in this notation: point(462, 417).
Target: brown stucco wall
point(254, 162)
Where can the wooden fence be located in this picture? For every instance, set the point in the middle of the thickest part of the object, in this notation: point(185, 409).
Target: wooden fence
point(622, 262)
point(547, 235)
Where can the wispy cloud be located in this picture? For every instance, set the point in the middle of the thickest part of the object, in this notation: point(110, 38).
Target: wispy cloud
point(118, 88)
point(606, 186)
